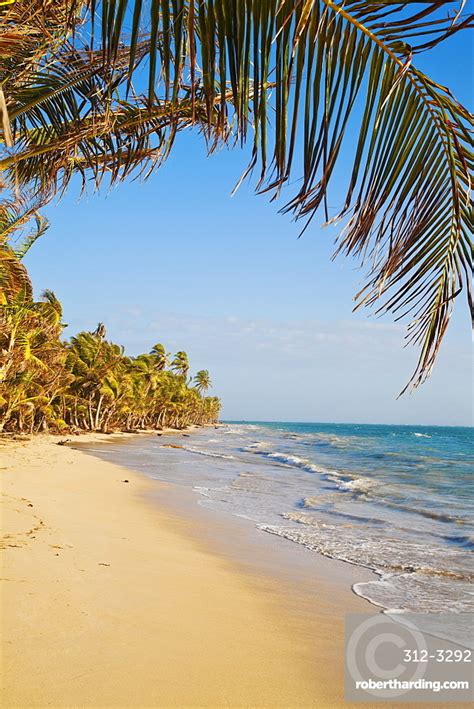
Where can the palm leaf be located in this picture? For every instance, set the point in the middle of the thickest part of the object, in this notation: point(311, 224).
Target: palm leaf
point(14, 281)
point(335, 65)
point(125, 138)
point(298, 78)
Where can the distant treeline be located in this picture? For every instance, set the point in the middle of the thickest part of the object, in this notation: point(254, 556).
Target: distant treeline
point(86, 383)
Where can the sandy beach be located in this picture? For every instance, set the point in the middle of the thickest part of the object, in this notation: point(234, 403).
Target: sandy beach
point(111, 599)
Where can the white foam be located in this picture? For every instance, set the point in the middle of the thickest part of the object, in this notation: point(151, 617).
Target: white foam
point(292, 460)
point(407, 580)
point(209, 454)
point(360, 484)
point(258, 445)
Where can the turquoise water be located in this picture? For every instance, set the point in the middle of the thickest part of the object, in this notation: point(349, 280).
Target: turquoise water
point(396, 499)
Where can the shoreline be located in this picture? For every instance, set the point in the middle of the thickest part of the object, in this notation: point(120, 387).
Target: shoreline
point(188, 502)
point(122, 599)
point(261, 550)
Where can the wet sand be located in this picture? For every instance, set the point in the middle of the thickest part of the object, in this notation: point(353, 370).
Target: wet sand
point(125, 594)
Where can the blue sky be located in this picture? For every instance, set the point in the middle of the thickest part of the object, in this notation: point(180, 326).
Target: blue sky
point(178, 260)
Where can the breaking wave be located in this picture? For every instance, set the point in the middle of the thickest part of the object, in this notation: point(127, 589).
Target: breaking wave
point(209, 454)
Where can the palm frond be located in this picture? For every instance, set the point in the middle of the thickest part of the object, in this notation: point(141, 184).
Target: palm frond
point(126, 138)
point(335, 65)
point(14, 281)
point(297, 78)
point(15, 218)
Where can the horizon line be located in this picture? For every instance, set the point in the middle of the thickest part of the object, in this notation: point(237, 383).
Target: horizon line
point(352, 423)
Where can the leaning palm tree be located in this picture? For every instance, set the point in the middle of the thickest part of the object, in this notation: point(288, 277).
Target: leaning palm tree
point(202, 381)
point(298, 79)
point(180, 364)
point(160, 356)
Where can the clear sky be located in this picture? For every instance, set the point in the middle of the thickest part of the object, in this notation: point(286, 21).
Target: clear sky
point(178, 260)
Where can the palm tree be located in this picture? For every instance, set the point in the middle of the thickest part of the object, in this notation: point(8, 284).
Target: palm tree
point(291, 77)
point(87, 383)
point(32, 361)
point(160, 356)
point(202, 381)
point(93, 361)
point(180, 364)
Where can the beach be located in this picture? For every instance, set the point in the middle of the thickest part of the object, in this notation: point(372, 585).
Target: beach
point(393, 500)
point(111, 597)
point(219, 489)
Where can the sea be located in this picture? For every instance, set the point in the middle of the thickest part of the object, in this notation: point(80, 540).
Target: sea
point(398, 500)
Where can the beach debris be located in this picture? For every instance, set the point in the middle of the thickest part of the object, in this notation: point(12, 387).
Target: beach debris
point(170, 445)
point(125, 481)
point(63, 442)
point(30, 504)
point(102, 563)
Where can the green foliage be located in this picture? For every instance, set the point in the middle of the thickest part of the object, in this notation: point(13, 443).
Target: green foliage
point(86, 383)
point(202, 380)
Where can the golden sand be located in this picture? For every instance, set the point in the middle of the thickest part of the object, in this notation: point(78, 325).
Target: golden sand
point(108, 601)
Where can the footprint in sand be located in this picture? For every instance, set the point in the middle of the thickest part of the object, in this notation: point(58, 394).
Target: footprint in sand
point(19, 523)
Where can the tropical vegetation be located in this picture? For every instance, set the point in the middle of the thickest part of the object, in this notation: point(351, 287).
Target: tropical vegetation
point(99, 90)
point(85, 383)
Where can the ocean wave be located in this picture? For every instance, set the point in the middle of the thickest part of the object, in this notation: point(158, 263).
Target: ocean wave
point(409, 580)
point(209, 454)
point(422, 435)
point(422, 512)
point(343, 480)
point(358, 484)
point(293, 461)
point(252, 447)
point(383, 552)
point(333, 440)
point(343, 443)
point(427, 596)
point(386, 495)
point(465, 541)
